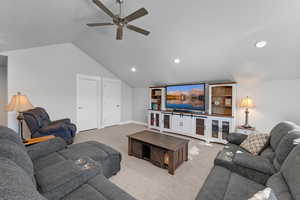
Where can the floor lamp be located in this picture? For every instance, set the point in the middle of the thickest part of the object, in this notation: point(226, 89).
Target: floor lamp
point(19, 103)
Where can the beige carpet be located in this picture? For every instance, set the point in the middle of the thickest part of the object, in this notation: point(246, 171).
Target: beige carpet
point(145, 181)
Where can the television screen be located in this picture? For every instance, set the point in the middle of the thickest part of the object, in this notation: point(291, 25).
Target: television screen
point(186, 97)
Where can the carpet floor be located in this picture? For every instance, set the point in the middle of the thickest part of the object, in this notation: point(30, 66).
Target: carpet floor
point(145, 181)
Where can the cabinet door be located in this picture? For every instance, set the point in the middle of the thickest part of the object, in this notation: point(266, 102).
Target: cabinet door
point(187, 124)
point(157, 156)
point(177, 123)
point(225, 129)
point(157, 119)
point(200, 126)
point(167, 121)
point(136, 148)
point(215, 127)
point(152, 119)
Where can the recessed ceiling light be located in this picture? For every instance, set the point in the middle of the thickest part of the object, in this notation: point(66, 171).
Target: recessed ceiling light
point(261, 44)
point(133, 69)
point(177, 60)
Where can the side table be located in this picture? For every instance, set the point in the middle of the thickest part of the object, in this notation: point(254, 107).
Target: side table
point(246, 131)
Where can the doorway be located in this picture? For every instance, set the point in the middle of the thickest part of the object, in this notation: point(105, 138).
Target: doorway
point(3, 89)
point(111, 102)
point(88, 102)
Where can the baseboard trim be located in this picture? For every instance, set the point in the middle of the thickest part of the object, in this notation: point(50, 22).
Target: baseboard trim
point(133, 122)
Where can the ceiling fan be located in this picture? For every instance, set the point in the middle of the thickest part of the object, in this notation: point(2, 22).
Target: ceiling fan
point(120, 21)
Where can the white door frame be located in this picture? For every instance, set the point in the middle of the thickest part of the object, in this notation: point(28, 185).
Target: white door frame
point(99, 99)
point(117, 80)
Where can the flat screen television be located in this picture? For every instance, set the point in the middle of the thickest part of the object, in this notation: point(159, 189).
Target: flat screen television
point(186, 97)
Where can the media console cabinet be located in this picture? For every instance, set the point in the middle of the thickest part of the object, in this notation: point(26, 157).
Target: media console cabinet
point(214, 125)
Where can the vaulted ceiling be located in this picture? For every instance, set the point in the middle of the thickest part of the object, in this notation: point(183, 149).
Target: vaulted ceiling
point(215, 39)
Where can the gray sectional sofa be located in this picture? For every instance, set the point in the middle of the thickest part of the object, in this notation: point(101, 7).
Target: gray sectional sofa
point(52, 170)
point(238, 175)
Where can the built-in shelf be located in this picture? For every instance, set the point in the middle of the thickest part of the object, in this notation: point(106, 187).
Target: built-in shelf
point(221, 102)
point(156, 98)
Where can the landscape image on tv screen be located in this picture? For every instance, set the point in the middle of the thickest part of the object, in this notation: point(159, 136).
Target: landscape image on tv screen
point(186, 97)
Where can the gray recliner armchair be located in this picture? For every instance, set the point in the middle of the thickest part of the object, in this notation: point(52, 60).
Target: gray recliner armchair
point(39, 123)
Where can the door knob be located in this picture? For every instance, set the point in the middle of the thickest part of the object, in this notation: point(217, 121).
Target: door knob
point(80, 107)
point(118, 106)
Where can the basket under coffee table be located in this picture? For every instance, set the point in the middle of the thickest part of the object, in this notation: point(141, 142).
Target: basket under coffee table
point(162, 150)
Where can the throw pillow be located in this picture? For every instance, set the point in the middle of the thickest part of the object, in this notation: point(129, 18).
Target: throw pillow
point(255, 142)
point(266, 194)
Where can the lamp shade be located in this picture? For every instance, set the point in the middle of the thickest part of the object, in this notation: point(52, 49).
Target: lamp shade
point(247, 103)
point(19, 103)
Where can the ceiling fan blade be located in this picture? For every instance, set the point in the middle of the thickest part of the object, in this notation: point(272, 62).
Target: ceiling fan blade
point(104, 8)
point(137, 14)
point(99, 24)
point(138, 29)
point(119, 33)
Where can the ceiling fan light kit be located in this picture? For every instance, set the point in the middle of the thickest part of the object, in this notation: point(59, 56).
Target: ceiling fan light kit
point(121, 22)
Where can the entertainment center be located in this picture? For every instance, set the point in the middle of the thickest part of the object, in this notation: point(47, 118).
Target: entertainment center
point(204, 111)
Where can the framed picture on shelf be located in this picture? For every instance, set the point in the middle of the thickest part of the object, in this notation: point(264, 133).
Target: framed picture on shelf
point(228, 102)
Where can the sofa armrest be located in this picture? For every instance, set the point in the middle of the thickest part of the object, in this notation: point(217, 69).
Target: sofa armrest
point(256, 163)
point(45, 148)
point(38, 140)
point(236, 138)
point(66, 120)
point(52, 128)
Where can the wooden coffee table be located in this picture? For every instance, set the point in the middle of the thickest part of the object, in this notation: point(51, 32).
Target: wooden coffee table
point(162, 150)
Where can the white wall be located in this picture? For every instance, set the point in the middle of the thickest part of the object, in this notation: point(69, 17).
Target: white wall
point(275, 101)
point(127, 96)
point(47, 75)
point(3, 94)
point(140, 104)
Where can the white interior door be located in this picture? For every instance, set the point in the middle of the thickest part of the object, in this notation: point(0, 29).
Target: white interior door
point(88, 102)
point(111, 102)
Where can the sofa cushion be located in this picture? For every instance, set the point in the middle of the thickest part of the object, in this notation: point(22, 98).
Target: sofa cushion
point(45, 148)
point(108, 157)
point(257, 163)
point(279, 131)
point(76, 151)
point(241, 188)
point(215, 185)
point(47, 161)
point(285, 147)
point(16, 153)
point(268, 153)
point(245, 164)
point(225, 157)
point(279, 187)
point(15, 184)
point(222, 184)
point(60, 179)
point(99, 188)
point(290, 172)
point(255, 142)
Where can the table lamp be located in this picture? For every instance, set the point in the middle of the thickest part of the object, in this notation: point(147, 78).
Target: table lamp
point(247, 103)
point(19, 103)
